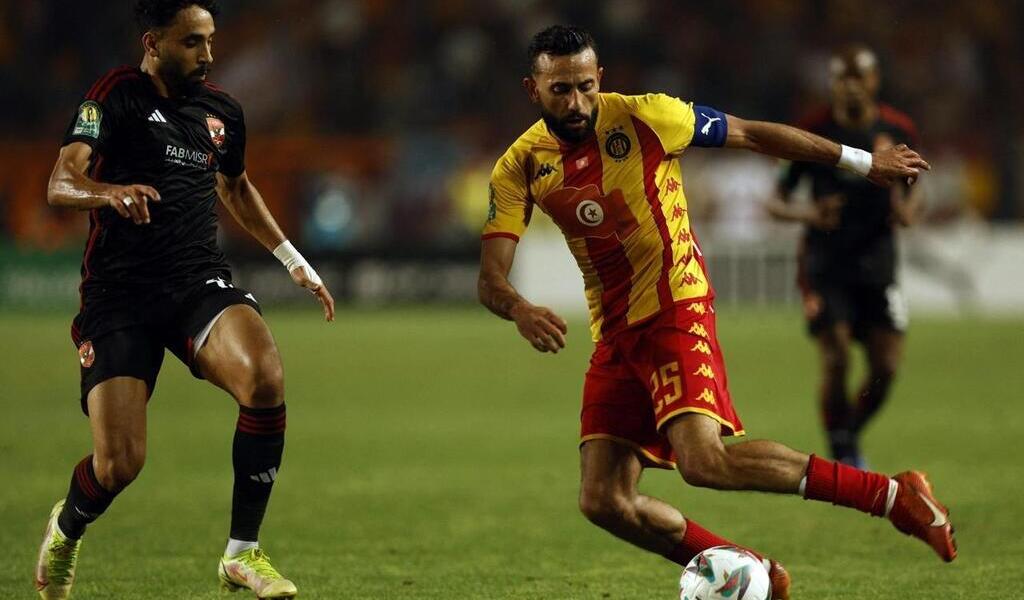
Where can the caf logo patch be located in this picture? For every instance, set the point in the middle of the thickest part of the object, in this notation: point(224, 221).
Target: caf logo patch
point(88, 123)
point(618, 145)
point(216, 127)
point(86, 354)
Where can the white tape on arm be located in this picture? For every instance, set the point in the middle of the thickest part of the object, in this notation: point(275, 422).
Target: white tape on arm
point(856, 160)
point(292, 259)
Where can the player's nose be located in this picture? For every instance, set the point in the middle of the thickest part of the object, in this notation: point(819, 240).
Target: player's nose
point(575, 100)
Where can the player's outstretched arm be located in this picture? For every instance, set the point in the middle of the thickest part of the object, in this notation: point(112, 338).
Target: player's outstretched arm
point(70, 187)
point(246, 205)
point(539, 325)
point(883, 168)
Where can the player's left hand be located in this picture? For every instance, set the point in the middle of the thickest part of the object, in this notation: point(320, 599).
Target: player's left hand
point(895, 164)
point(317, 288)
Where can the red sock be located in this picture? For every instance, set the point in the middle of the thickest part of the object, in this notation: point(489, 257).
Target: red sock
point(696, 539)
point(844, 485)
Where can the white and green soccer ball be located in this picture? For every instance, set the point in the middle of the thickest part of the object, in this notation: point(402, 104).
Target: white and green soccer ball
point(725, 573)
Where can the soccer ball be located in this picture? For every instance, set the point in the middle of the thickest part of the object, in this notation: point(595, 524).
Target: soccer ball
point(725, 573)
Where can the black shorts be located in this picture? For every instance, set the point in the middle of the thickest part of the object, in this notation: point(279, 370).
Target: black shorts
point(113, 345)
point(863, 307)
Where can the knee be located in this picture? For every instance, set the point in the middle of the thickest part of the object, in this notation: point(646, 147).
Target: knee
point(706, 468)
point(835, 361)
point(264, 387)
point(604, 507)
point(118, 468)
point(883, 372)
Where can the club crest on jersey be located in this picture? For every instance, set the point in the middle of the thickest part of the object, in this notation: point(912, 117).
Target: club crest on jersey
point(86, 354)
point(590, 213)
point(216, 127)
point(90, 114)
point(618, 145)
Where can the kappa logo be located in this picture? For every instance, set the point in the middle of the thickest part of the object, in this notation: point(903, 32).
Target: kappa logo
point(705, 371)
point(156, 116)
point(544, 170)
point(699, 329)
point(698, 307)
point(707, 396)
point(702, 347)
point(691, 279)
point(86, 354)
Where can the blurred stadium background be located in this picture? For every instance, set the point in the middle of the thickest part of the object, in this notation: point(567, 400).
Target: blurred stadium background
point(431, 452)
point(373, 125)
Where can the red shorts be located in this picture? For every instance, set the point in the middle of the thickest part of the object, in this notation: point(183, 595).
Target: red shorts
point(646, 375)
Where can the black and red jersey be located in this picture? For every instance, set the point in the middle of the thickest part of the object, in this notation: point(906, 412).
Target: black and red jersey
point(176, 145)
point(863, 247)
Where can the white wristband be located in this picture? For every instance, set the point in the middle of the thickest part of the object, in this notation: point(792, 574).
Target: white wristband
point(292, 259)
point(856, 160)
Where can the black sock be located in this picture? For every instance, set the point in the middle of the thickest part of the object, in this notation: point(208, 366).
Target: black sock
point(86, 500)
point(256, 455)
point(844, 445)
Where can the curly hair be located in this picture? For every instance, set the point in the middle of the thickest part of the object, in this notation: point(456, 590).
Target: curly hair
point(157, 14)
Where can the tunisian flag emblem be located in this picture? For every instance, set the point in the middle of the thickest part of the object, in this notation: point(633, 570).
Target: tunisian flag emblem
point(216, 127)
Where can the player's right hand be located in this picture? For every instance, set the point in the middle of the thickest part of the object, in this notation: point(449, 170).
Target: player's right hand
point(540, 326)
point(898, 163)
point(132, 201)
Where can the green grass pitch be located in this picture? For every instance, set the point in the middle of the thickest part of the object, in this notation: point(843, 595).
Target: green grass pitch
point(432, 454)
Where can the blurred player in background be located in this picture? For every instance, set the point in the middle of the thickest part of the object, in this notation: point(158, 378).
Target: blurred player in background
point(603, 167)
point(148, 153)
point(848, 253)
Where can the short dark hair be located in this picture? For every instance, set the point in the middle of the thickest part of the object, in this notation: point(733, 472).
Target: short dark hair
point(559, 40)
point(157, 14)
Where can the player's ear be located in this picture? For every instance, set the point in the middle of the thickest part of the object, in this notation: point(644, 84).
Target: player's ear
point(149, 40)
point(530, 85)
point(600, 74)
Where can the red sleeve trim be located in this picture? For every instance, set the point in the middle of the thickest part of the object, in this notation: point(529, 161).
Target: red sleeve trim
point(500, 234)
point(102, 87)
point(901, 120)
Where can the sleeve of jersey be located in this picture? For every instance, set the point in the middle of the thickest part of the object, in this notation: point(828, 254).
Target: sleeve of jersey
point(94, 120)
point(509, 210)
point(232, 163)
point(669, 117)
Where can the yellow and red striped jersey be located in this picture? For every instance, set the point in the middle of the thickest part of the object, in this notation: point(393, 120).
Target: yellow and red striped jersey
point(618, 199)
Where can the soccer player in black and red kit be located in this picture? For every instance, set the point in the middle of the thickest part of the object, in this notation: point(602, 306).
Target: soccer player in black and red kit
point(848, 253)
point(148, 153)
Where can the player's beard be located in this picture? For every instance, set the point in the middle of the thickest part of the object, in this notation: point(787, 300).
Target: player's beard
point(560, 128)
point(179, 83)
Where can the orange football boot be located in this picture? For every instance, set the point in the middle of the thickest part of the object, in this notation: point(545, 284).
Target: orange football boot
point(779, 579)
point(916, 512)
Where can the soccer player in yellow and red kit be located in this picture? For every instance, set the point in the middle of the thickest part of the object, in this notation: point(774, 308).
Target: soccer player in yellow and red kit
point(603, 167)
